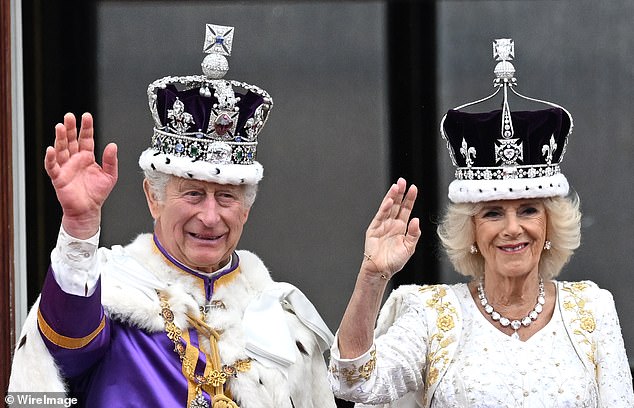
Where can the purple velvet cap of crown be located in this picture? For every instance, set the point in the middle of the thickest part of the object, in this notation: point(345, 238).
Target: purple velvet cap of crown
point(478, 150)
point(206, 129)
point(482, 130)
point(200, 107)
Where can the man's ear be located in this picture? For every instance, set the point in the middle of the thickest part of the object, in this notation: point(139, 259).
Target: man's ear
point(152, 202)
point(246, 215)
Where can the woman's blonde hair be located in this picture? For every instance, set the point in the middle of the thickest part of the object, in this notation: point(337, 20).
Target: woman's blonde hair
point(563, 230)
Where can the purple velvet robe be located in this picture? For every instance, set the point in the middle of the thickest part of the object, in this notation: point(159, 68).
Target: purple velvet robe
point(121, 365)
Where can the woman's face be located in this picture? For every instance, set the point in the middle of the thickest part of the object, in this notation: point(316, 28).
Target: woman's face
point(510, 235)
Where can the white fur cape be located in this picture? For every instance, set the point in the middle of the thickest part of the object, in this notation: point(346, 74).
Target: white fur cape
point(130, 275)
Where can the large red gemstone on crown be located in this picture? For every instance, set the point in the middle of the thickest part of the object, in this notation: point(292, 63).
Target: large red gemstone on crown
point(223, 124)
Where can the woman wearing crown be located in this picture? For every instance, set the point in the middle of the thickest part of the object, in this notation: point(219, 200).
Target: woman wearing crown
point(511, 337)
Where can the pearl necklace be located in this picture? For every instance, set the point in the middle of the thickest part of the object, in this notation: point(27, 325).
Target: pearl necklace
point(515, 324)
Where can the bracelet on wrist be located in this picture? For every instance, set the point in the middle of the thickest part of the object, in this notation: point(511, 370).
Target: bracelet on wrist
point(369, 258)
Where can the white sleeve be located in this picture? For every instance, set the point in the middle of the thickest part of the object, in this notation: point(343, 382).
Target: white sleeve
point(613, 370)
point(395, 364)
point(74, 263)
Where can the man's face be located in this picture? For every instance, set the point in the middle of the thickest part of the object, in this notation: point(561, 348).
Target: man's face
point(199, 223)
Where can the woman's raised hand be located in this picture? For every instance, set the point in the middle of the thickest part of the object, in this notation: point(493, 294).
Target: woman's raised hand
point(390, 241)
point(391, 238)
point(81, 185)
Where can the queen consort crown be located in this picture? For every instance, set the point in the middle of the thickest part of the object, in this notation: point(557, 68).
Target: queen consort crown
point(506, 154)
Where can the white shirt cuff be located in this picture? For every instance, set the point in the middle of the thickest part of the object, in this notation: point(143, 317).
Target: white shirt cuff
point(74, 263)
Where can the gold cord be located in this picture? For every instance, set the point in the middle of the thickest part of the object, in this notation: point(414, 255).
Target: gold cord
point(215, 374)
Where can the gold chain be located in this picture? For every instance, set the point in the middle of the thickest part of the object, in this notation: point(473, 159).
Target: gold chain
point(214, 378)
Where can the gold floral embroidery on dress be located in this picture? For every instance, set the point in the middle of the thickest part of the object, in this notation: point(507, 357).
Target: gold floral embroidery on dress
point(438, 356)
point(575, 302)
point(353, 374)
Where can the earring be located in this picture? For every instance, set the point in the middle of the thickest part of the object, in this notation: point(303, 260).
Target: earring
point(547, 245)
point(473, 249)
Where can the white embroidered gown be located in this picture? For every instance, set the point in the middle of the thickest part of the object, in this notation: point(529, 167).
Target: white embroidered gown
point(489, 368)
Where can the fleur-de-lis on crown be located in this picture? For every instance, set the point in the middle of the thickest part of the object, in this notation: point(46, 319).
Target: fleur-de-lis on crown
point(180, 120)
point(548, 150)
point(467, 152)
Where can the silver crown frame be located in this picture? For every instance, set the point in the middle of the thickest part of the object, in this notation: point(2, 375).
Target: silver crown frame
point(508, 150)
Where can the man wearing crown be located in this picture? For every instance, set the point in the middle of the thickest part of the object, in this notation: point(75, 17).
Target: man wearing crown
point(177, 318)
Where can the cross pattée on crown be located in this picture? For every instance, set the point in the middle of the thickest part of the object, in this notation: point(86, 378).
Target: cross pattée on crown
point(218, 39)
point(503, 49)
